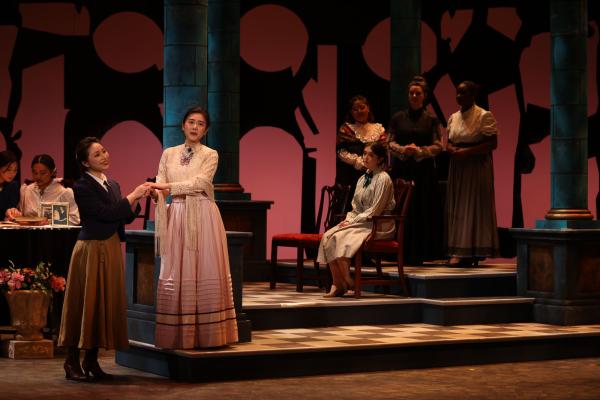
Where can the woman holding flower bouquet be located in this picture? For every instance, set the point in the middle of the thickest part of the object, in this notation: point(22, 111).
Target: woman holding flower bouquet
point(94, 308)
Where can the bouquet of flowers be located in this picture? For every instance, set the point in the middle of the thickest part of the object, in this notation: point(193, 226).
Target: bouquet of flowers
point(38, 278)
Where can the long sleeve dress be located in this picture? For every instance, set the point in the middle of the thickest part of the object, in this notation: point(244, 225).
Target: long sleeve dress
point(373, 199)
point(195, 300)
point(424, 226)
point(471, 209)
point(32, 198)
point(350, 143)
point(93, 313)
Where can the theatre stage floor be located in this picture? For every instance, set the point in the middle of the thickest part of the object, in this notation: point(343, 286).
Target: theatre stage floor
point(571, 379)
point(577, 378)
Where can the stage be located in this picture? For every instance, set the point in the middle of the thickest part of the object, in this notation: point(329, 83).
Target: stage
point(296, 334)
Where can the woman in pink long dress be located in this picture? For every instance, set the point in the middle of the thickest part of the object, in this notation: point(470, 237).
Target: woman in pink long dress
point(194, 303)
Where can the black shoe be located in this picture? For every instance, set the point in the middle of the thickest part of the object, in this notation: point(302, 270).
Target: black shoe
point(72, 368)
point(90, 366)
point(93, 368)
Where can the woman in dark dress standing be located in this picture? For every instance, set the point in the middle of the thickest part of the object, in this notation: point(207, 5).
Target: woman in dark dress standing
point(415, 140)
point(356, 132)
point(93, 314)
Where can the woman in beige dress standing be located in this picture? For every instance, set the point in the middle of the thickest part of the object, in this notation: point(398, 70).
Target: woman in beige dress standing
point(471, 210)
point(195, 300)
point(374, 194)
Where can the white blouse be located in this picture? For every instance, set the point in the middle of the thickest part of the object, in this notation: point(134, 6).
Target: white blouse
point(471, 126)
point(32, 198)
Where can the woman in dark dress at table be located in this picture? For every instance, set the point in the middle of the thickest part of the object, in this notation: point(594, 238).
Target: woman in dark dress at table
point(9, 188)
point(93, 314)
point(415, 140)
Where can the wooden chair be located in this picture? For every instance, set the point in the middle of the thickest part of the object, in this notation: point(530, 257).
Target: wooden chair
point(337, 198)
point(402, 194)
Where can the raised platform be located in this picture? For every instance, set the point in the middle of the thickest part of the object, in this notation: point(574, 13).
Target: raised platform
point(434, 280)
point(361, 348)
point(305, 334)
point(285, 308)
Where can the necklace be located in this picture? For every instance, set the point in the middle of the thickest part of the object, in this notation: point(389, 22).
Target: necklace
point(186, 155)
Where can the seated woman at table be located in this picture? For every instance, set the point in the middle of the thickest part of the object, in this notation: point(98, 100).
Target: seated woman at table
point(9, 188)
point(46, 188)
point(374, 194)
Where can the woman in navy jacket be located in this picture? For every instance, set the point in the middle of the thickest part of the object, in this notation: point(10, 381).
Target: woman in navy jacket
point(94, 309)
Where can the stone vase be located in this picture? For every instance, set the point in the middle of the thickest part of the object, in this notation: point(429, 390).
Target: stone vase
point(28, 312)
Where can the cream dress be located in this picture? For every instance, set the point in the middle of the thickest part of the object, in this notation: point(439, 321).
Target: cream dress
point(194, 297)
point(374, 199)
point(470, 204)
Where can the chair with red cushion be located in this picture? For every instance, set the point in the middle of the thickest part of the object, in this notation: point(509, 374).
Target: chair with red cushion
point(337, 199)
point(376, 248)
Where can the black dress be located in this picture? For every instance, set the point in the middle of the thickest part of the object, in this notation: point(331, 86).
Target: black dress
point(423, 233)
point(9, 197)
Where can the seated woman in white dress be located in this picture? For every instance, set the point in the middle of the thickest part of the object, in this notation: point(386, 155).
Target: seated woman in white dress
point(46, 188)
point(374, 195)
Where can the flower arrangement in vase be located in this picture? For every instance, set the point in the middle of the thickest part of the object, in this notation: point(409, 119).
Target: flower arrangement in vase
point(28, 291)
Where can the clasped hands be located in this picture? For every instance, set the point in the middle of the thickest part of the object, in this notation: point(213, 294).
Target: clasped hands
point(411, 149)
point(456, 152)
point(149, 189)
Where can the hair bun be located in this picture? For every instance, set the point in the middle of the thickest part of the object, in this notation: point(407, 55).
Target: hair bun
point(419, 80)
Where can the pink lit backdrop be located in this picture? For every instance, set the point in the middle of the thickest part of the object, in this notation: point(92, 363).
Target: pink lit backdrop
point(274, 38)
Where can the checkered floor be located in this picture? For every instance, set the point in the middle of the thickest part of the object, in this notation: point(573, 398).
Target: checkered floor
point(339, 338)
point(258, 295)
point(376, 336)
point(430, 269)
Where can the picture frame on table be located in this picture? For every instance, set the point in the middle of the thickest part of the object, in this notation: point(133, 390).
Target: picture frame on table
point(46, 211)
point(57, 213)
point(60, 214)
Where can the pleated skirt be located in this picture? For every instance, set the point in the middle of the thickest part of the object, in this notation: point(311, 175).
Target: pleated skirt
point(94, 310)
point(471, 209)
point(195, 305)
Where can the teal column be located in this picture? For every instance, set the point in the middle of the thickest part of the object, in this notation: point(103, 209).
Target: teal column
point(224, 94)
point(405, 49)
point(569, 130)
point(185, 59)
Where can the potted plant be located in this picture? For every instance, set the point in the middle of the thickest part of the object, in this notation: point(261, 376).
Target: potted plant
point(28, 292)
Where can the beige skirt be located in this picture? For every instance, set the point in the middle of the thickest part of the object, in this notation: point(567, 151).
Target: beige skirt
point(94, 313)
point(471, 209)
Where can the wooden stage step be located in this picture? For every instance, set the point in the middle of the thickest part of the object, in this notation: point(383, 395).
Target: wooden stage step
point(286, 308)
point(361, 348)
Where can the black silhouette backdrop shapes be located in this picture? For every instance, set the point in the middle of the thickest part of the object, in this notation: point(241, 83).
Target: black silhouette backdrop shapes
point(96, 96)
point(270, 98)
